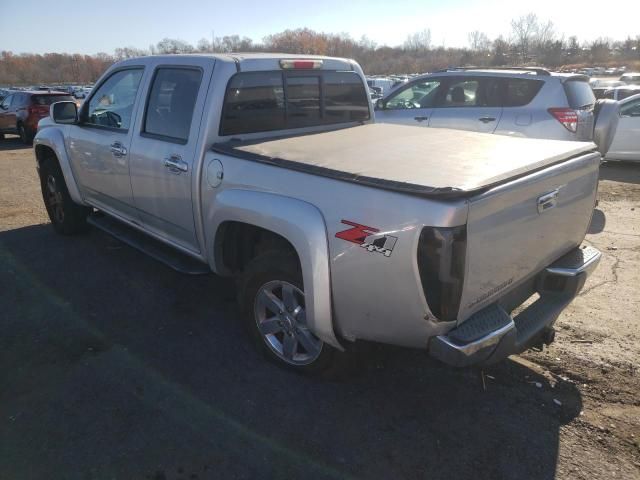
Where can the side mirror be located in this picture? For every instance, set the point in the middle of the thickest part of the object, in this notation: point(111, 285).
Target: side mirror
point(64, 112)
point(380, 104)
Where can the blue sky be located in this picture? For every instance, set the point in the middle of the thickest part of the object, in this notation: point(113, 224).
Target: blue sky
point(93, 26)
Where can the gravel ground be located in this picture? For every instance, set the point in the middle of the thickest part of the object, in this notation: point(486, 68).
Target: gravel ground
point(115, 367)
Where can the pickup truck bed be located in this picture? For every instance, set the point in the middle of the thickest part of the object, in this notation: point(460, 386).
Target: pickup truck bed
point(425, 162)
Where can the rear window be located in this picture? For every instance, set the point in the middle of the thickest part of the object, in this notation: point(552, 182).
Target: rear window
point(267, 101)
point(579, 94)
point(520, 91)
point(49, 99)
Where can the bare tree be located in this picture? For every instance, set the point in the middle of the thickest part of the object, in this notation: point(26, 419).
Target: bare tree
point(172, 45)
point(524, 31)
point(419, 41)
point(478, 41)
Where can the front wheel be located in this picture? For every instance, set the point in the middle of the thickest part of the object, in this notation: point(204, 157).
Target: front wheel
point(273, 304)
point(67, 217)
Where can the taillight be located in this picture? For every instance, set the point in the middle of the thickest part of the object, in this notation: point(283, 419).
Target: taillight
point(289, 64)
point(441, 261)
point(38, 109)
point(568, 117)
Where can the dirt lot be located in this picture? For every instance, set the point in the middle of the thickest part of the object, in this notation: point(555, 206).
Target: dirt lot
point(115, 367)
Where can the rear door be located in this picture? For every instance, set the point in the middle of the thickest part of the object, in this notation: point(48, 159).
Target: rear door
point(626, 142)
point(517, 112)
point(410, 105)
point(163, 151)
point(468, 103)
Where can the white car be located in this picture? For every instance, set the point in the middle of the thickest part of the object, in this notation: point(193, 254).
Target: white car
point(622, 92)
point(626, 142)
point(631, 78)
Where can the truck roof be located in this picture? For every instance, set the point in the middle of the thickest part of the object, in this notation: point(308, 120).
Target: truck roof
point(250, 61)
point(420, 161)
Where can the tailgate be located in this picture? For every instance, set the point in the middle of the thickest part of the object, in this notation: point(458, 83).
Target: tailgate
point(517, 229)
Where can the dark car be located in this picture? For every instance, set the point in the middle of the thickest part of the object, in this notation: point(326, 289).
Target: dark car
point(20, 112)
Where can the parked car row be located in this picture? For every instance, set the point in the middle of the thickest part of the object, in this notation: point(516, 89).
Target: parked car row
point(525, 102)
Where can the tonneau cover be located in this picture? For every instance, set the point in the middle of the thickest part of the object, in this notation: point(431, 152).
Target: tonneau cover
point(430, 162)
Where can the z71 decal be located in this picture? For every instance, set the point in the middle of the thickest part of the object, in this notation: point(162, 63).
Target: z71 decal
point(368, 238)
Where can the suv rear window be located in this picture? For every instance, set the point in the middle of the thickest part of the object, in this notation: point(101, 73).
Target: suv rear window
point(579, 94)
point(267, 101)
point(49, 99)
point(519, 91)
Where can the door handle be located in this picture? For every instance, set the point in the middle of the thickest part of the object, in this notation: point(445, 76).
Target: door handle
point(487, 119)
point(421, 119)
point(118, 150)
point(175, 164)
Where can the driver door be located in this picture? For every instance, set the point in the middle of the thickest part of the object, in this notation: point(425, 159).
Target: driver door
point(99, 145)
point(410, 105)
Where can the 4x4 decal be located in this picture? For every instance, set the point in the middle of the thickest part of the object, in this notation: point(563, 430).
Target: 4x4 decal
point(368, 238)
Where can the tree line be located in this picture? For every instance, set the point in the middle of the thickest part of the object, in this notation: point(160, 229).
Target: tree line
point(531, 41)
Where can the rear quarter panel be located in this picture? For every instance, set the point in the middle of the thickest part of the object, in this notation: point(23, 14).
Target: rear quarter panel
point(374, 296)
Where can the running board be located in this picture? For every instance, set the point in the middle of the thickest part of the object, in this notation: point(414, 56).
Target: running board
point(156, 249)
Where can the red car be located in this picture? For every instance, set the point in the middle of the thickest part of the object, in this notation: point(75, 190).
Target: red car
point(21, 111)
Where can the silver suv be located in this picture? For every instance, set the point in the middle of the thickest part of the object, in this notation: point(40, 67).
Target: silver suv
point(525, 102)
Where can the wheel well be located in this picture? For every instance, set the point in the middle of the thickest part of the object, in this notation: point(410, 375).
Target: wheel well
point(237, 243)
point(45, 153)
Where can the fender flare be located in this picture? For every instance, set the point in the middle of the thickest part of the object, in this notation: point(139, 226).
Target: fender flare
point(53, 138)
point(303, 225)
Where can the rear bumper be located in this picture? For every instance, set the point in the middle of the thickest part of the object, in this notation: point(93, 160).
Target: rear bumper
point(491, 334)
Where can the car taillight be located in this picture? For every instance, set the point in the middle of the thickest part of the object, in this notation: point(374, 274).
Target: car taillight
point(289, 64)
point(441, 261)
point(568, 117)
point(38, 109)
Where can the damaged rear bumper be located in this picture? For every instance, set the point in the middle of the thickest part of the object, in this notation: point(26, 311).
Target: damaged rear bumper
point(491, 334)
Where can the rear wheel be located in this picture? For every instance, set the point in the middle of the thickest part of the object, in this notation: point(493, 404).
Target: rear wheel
point(25, 136)
point(67, 217)
point(273, 303)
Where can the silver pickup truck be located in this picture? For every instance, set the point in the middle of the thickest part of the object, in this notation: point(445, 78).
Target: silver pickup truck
point(270, 169)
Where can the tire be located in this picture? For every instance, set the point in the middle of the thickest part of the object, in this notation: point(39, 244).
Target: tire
point(25, 136)
point(67, 217)
point(272, 304)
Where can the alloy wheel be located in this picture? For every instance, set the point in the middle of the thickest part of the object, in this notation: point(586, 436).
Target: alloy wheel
point(280, 316)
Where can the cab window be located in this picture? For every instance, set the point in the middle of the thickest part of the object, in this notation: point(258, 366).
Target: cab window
point(111, 105)
point(171, 103)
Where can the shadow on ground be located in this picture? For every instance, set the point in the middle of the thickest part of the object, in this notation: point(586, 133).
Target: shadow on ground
point(11, 142)
point(598, 221)
point(626, 172)
point(115, 367)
